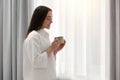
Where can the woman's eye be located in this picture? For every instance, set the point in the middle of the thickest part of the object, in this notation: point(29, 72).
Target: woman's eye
point(49, 18)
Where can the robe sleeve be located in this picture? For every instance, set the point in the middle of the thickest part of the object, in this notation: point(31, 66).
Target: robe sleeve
point(37, 57)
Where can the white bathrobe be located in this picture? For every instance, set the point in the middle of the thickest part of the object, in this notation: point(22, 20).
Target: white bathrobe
point(36, 63)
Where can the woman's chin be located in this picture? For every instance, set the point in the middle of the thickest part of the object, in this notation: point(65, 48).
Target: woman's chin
point(48, 28)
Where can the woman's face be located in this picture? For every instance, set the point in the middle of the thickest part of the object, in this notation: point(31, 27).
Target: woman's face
point(48, 20)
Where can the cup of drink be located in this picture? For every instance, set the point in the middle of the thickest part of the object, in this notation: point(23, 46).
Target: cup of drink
point(61, 39)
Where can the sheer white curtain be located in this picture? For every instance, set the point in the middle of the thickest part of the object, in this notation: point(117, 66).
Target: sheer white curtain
point(85, 26)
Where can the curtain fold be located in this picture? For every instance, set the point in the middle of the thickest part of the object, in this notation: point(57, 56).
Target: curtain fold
point(115, 40)
point(14, 19)
point(1, 39)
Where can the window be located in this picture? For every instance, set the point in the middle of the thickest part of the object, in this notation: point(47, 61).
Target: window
point(85, 26)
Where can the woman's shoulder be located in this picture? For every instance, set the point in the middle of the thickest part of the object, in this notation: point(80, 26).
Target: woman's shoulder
point(33, 35)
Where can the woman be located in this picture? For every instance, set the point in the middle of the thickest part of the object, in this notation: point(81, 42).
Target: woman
point(38, 53)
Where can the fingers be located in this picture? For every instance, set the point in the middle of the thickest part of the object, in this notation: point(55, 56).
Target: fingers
point(55, 44)
point(63, 42)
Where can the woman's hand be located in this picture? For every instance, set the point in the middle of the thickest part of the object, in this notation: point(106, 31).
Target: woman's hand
point(55, 44)
point(61, 45)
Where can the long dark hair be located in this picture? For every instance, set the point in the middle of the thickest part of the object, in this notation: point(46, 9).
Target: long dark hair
point(38, 18)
